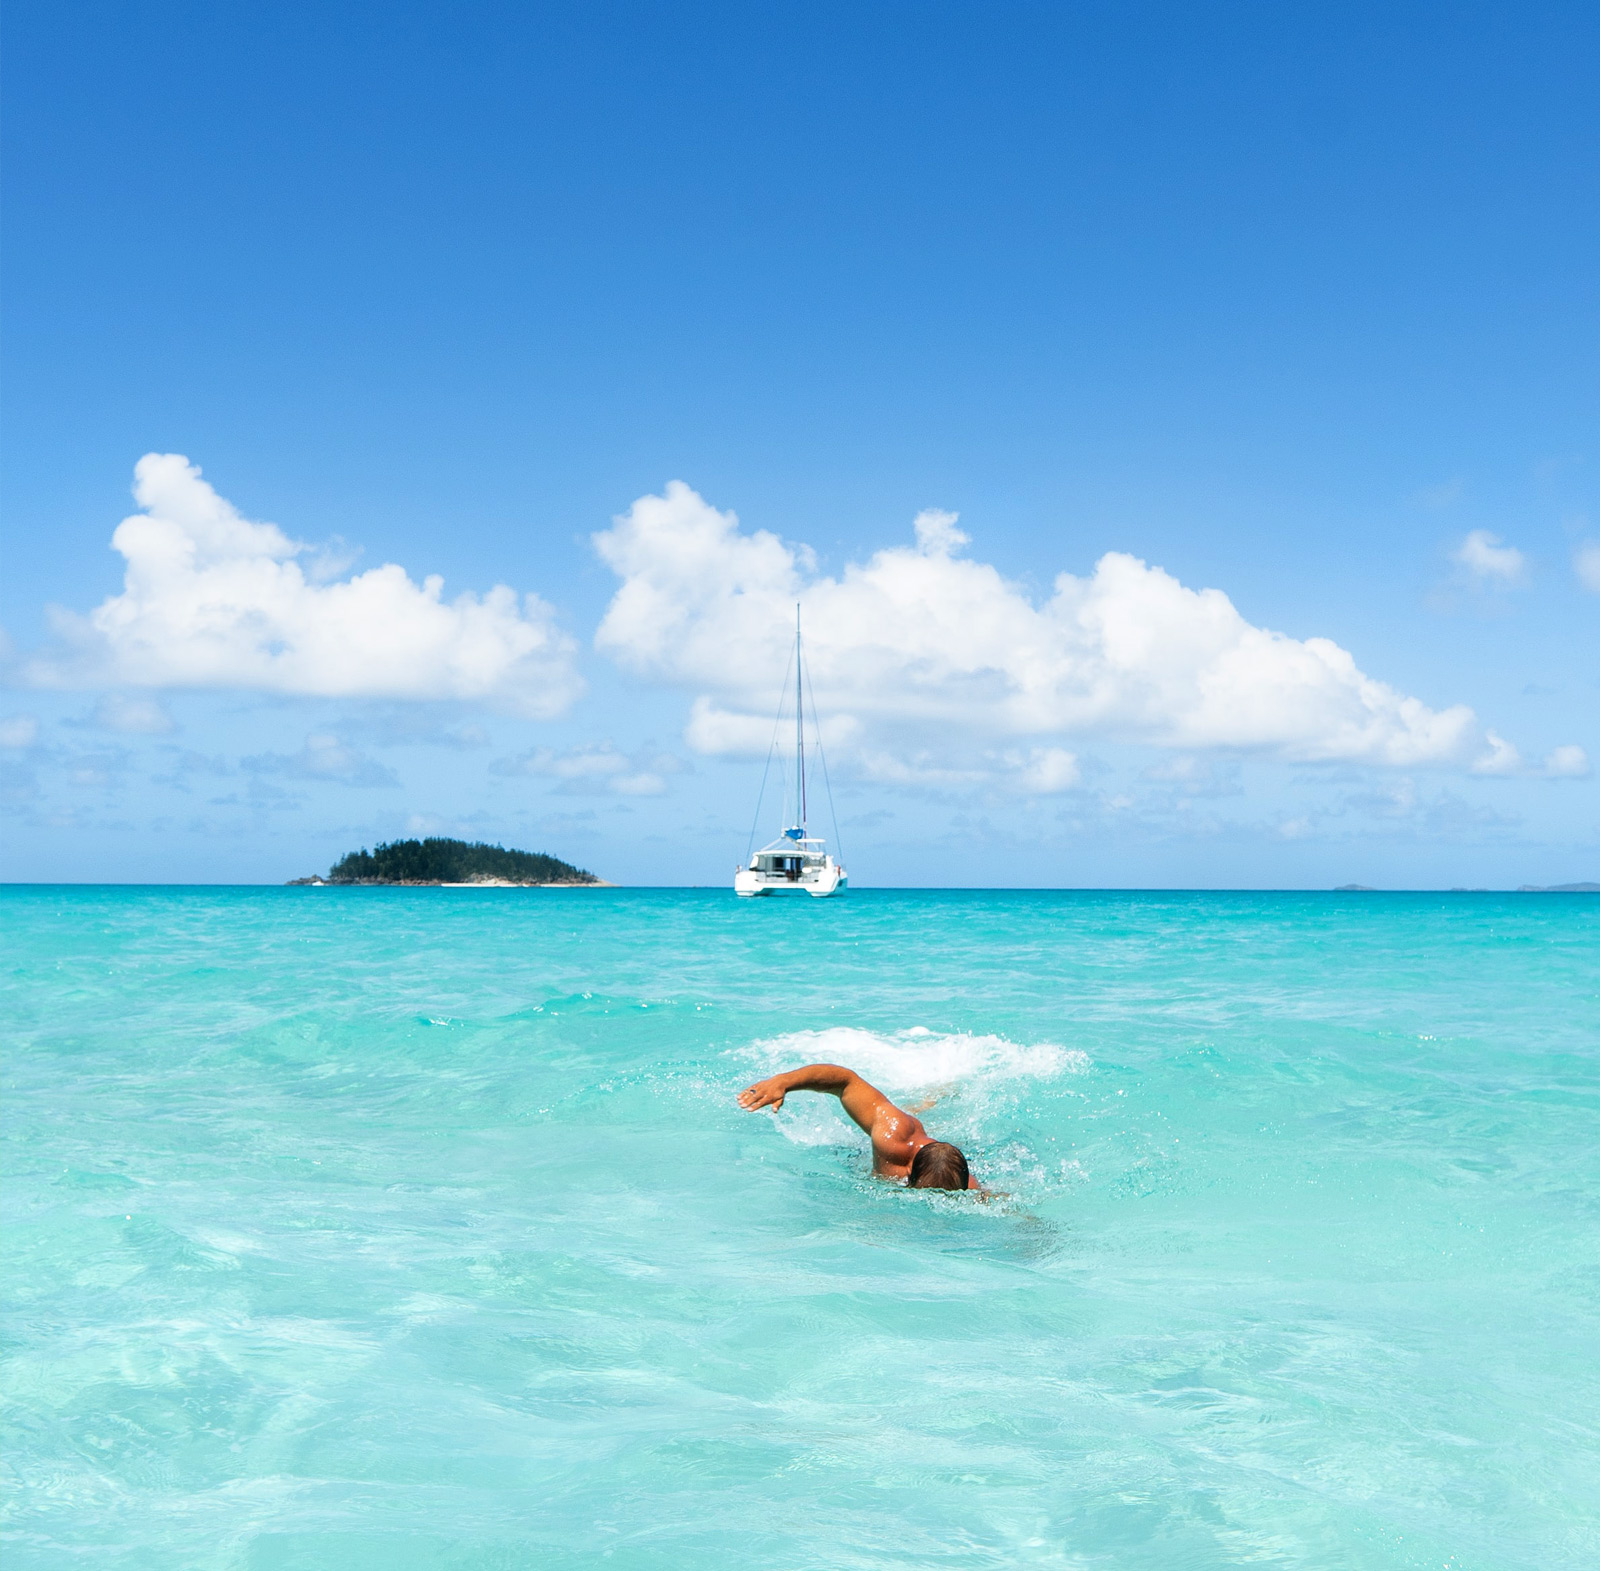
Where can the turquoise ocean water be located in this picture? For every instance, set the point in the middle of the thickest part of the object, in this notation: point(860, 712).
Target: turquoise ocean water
point(420, 1228)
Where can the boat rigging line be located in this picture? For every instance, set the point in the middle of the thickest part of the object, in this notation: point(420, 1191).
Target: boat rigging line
point(777, 722)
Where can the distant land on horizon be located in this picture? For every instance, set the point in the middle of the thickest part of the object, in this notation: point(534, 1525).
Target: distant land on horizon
point(1461, 889)
point(439, 861)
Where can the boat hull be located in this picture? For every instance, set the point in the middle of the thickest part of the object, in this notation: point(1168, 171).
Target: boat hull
point(750, 884)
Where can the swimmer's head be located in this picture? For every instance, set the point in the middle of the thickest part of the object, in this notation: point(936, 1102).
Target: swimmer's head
point(938, 1165)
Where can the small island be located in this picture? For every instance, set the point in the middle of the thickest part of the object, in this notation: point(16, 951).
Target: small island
point(454, 863)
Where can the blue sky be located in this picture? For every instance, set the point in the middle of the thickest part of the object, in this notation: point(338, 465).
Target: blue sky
point(1295, 306)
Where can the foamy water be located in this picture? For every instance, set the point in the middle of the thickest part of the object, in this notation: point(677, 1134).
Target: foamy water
point(383, 1228)
point(958, 1080)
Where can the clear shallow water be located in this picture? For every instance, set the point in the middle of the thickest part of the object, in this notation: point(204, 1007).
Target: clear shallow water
point(413, 1228)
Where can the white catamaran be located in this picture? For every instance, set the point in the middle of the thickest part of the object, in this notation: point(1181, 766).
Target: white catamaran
point(794, 863)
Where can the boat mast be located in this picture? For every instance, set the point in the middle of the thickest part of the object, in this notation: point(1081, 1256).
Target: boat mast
point(799, 731)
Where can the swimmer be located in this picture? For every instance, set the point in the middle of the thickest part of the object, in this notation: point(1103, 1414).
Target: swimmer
point(901, 1147)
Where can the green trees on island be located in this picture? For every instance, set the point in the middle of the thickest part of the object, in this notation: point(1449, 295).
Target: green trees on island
point(437, 861)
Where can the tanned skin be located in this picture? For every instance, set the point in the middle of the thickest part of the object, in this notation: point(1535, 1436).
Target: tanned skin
point(897, 1135)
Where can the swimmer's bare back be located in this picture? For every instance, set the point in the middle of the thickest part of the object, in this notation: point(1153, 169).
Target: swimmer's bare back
point(897, 1136)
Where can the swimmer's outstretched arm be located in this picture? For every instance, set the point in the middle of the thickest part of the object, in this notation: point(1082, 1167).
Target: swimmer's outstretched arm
point(864, 1103)
point(891, 1127)
point(895, 1132)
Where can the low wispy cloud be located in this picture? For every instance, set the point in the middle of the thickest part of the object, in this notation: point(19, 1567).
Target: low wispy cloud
point(923, 657)
point(31, 768)
point(213, 600)
point(1485, 559)
point(1401, 806)
point(19, 731)
point(596, 768)
point(411, 725)
point(325, 756)
point(1586, 564)
point(467, 826)
point(129, 715)
point(96, 768)
point(1195, 775)
point(186, 765)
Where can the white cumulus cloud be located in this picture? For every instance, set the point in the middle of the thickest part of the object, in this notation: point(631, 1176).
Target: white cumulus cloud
point(1042, 771)
point(1501, 759)
point(211, 599)
point(1567, 763)
point(918, 647)
point(1586, 564)
point(1487, 560)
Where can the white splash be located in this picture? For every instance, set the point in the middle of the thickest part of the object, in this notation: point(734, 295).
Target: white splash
point(966, 1072)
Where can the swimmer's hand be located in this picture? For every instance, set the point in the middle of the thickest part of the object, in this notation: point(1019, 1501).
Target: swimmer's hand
point(765, 1093)
point(933, 1097)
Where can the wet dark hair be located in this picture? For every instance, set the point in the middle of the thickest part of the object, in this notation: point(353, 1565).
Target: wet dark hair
point(938, 1165)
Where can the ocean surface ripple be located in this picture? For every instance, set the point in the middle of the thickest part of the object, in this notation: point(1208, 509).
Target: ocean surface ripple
point(420, 1228)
